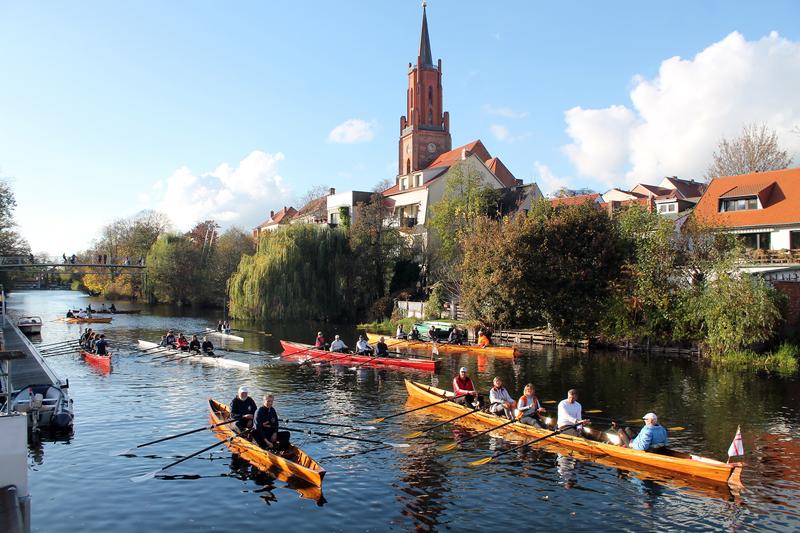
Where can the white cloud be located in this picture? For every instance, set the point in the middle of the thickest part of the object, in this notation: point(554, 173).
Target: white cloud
point(502, 111)
point(547, 181)
point(500, 133)
point(676, 119)
point(352, 131)
point(237, 195)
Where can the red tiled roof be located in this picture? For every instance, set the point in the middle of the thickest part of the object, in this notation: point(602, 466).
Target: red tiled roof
point(655, 190)
point(781, 201)
point(746, 190)
point(314, 206)
point(501, 171)
point(284, 214)
point(575, 200)
point(448, 158)
point(687, 188)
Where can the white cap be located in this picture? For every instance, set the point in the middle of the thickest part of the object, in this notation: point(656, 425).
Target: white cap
point(462, 369)
point(337, 336)
point(649, 416)
point(242, 389)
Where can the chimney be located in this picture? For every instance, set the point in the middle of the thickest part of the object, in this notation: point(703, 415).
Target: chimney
point(332, 191)
point(272, 214)
point(463, 153)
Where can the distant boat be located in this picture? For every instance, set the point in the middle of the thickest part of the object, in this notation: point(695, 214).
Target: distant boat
point(30, 325)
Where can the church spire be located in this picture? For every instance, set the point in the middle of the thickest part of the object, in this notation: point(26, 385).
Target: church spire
point(425, 57)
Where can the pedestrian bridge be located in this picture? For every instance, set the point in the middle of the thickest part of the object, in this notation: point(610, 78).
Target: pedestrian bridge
point(24, 262)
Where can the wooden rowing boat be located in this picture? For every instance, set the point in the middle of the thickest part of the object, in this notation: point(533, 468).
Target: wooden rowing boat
point(499, 351)
point(92, 320)
point(308, 352)
point(226, 336)
point(664, 461)
point(292, 463)
point(180, 355)
point(101, 362)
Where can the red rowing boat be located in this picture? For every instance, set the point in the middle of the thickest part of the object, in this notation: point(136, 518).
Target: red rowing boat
point(101, 362)
point(306, 351)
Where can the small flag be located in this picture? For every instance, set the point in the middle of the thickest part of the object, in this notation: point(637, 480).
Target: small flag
point(737, 448)
point(435, 350)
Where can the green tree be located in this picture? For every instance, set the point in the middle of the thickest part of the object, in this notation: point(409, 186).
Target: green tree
point(11, 242)
point(225, 258)
point(173, 274)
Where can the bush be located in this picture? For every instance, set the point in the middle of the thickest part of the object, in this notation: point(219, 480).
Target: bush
point(782, 361)
point(435, 303)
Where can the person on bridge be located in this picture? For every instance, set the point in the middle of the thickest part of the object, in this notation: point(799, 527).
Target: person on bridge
point(101, 346)
point(208, 347)
point(65, 258)
point(381, 348)
point(338, 345)
point(363, 347)
point(194, 345)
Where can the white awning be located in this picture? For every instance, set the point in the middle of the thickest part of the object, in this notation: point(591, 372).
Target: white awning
point(753, 230)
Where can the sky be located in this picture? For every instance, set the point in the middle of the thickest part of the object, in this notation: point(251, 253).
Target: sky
point(221, 110)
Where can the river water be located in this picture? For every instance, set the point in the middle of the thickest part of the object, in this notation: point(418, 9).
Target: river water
point(77, 486)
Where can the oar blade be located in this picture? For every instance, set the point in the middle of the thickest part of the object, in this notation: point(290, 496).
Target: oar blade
point(376, 421)
point(550, 401)
point(480, 462)
point(145, 477)
point(448, 447)
point(677, 428)
point(414, 435)
point(398, 444)
point(594, 411)
point(364, 428)
point(116, 453)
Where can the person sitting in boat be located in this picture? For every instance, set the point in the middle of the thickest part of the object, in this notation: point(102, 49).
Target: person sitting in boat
point(103, 309)
point(363, 347)
point(652, 436)
point(113, 308)
point(207, 347)
point(320, 341)
point(570, 413)
point(243, 408)
point(83, 314)
point(338, 345)
point(400, 334)
point(226, 327)
point(529, 409)
point(69, 314)
point(465, 393)
point(455, 336)
point(500, 401)
point(84, 340)
point(171, 340)
point(163, 343)
point(194, 344)
point(483, 340)
point(100, 347)
point(432, 333)
point(182, 343)
point(267, 432)
point(381, 348)
point(219, 326)
point(90, 342)
point(414, 334)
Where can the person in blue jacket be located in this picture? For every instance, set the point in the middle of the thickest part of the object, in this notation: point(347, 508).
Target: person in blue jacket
point(652, 436)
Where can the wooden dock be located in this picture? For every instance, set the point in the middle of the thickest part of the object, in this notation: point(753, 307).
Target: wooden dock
point(532, 337)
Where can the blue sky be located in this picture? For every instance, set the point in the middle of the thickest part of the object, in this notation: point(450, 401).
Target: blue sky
point(107, 108)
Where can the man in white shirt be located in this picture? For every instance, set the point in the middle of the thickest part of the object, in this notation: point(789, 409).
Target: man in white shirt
point(338, 345)
point(362, 346)
point(570, 413)
point(500, 401)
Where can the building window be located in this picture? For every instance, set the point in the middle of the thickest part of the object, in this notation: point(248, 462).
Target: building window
point(794, 240)
point(667, 208)
point(430, 96)
point(403, 184)
point(408, 166)
point(334, 218)
point(756, 241)
point(417, 180)
point(738, 204)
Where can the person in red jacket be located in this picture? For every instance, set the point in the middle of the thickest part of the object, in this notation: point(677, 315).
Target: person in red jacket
point(465, 393)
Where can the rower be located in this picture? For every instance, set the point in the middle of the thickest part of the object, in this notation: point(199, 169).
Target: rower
point(465, 393)
point(171, 338)
point(183, 343)
point(226, 327)
point(570, 413)
point(455, 336)
point(483, 340)
point(529, 408)
point(243, 408)
point(219, 326)
point(338, 345)
point(207, 347)
point(432, 333)
point(320, 341)
point(101, 345)
point(400, 334)
point(85, 336)
point(69, 314)
point(267, 433)
point(194, 345)
point(652, 436)
point(381, 348)
point(363, 347)
point(113, 308)
point(163, 343)
point(415, 334)
point(83, 314)
point(500, 401)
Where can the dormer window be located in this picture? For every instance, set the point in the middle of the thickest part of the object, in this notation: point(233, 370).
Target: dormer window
point(403, 184)
point(738, 204)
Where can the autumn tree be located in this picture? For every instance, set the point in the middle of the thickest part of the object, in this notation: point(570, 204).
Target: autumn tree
point(11, 242)
point(756, 149)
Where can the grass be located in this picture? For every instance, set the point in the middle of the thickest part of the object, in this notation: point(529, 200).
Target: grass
point(783, 361)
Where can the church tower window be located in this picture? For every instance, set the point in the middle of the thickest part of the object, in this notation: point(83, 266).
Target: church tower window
point(408, 166)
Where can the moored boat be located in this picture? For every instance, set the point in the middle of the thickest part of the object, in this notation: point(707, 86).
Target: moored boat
point(30, 325)
point(306, 351)
point(101, 362)
point(47, 407)
point(293, 463)
point(88, 320)
point(665, 461)
point(194, 358)
point(222, 335)
point(499, 351)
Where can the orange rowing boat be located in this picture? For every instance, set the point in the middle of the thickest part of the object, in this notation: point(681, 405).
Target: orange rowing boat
point(500, 351)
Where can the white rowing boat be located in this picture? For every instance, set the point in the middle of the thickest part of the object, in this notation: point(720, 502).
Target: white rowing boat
point(187, 356)
point(226, 336)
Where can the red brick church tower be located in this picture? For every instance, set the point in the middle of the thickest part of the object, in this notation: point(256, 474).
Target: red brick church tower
point(425, 129)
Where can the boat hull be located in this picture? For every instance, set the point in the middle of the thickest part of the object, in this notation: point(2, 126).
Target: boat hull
point(498, 351)
point(202, 359)
point(93, 320)
point(684, 465)
point(293, 464)
point(306, 351)
point(226, 336)
point(100, 362)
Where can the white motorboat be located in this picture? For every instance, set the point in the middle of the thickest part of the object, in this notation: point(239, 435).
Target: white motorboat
point(30, 325)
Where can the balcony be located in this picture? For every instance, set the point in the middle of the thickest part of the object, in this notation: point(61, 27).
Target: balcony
point(770, 257)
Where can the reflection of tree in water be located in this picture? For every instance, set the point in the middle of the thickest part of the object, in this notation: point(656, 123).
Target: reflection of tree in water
point(424, 486)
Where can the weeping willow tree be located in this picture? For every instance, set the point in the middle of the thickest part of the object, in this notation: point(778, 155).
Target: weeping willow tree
point(298, 272)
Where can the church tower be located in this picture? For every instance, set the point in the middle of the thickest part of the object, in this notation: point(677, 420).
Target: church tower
point(425, 129)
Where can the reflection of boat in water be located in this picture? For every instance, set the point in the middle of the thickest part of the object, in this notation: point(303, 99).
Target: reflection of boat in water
point(675, 468)
point(242, 469)
point(47, 407)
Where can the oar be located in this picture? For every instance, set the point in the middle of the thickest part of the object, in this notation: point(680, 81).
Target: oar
point(347, 437)
point(332, 424)
point(454, 445)
point(233, 350)
point(417, 434)
point(151, 475)
point(59, 350)
point(498, 454)
point(49, 345)
point(212, 426)
point(72, 350)
point(379, 420)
